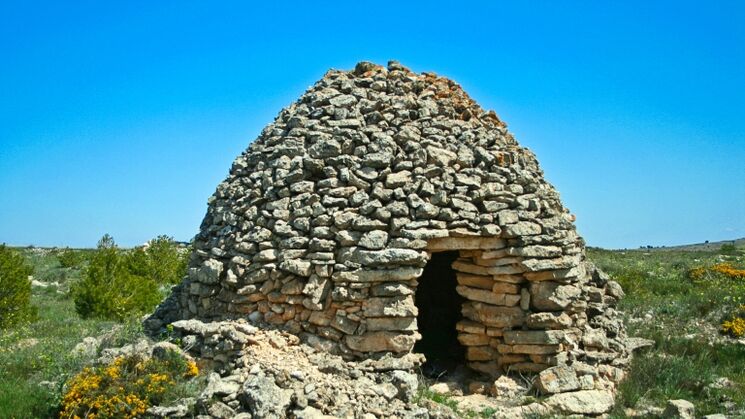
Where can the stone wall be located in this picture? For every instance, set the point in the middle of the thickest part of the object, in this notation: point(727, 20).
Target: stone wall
point(325, 223)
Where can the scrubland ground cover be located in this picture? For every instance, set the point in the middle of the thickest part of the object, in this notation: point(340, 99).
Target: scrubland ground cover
point(36, 356)
point(684, 301)
point(689, 303)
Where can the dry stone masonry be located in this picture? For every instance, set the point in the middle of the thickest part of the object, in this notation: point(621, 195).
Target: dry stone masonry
point(325, 223)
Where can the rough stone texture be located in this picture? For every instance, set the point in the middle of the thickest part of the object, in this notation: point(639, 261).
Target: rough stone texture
point(679, 409)
point(325, 222)
point(585, 402)
point(557, 380)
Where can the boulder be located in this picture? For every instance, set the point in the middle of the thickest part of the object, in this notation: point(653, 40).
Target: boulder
point(584, 402)
point(679, 409)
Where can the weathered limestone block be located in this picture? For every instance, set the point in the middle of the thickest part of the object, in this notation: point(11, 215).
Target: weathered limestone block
point(489, 367)
point(489, 297)
point(536, 251)
point(526, 367)
point(382, 341)
point(534, 337)
point(585, 402)
point(467, 326)
point(378, 275)
point(390, 257)
point(529, 349)
point(557, 380)
point(296, 266)
point(552, 296)
point(493, 254)
point(457, 243)
point(534, 265)
point(209, 272)
point(494, 316)
point(374, 240)
point(389, 307)
point(522, 228)
point(507, 288)
point(395, 180)
point(558, 274)
point(471, 268)
point(510, 279)
point(345, 324)
point(548, 320)
point(391, 289)
point(480, 353)
point(391, 323)
point(316, 289)
point(424, 234)
point(440, 156)
point(497, 262)
point(476, 281)
point(469, 339)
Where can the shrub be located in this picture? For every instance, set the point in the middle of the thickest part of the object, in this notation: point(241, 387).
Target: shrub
point(125, 388)
point(109, 290)
point(729, 271)
point(728, 249)
point(161, 260)
point(735, 326)
point(69, 258)
point(15, 288)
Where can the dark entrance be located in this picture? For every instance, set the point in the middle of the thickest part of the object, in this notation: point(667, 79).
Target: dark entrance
point(439, 310)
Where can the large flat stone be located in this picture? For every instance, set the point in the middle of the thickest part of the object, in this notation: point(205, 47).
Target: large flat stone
point(382, 341)
point(391, 323)
point(585, 402)
point(557, 380)
point(471, 268)
point(494, 316)
point(534, 337)
point(402, 306)
point(390, 257)
point(378, 275)
point(459, 243)
point(489, 297)
point(476, 281)
point(522, 228)
point(537, 251)
point(552, 296)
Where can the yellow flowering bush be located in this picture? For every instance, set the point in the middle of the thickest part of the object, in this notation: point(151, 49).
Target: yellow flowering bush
point(729, 271)
point(730, 282)
point(125, 388)
point(735, 326)
point(724, 270)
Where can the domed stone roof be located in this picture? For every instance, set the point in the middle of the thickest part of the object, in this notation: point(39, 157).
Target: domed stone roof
point(325, 223)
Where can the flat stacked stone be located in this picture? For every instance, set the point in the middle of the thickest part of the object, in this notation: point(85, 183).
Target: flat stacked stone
point(325, 222)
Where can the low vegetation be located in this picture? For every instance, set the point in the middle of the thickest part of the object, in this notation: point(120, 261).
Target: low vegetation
point(126, 387)
point(15, 288)
point(119, 284)
point(684, 301)
point(36, 354)
point(689, 303)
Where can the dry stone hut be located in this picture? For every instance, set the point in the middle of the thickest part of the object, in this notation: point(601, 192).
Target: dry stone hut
point(385, 212)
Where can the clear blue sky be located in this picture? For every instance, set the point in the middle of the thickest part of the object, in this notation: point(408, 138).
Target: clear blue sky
point(122, 117)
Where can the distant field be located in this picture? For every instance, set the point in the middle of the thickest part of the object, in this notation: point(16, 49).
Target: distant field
point(699, 247)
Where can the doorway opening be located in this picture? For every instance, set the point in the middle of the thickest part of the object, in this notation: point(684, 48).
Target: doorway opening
point(439, 310)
